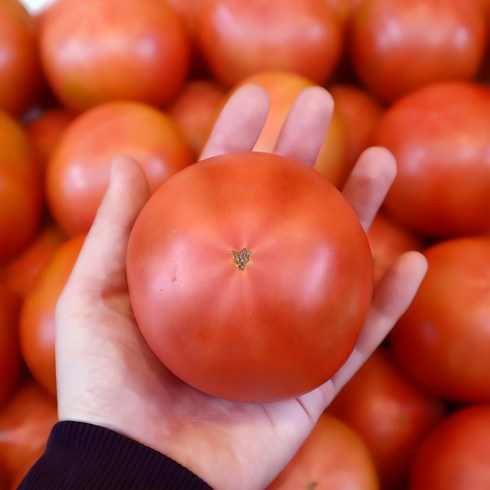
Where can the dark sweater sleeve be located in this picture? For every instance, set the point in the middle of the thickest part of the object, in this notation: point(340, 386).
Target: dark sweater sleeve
point(84, 456)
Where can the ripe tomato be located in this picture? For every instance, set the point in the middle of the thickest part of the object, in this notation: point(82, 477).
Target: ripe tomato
point(332, 457)
point(78, 172)
point(237, 39)
point(282, 88)
point(21, 195)
point(397, 47)
point(361, 113)
point(10, 357)
point(443, 340)
point(97, 51)
point(195, 109)
point(390, 412)
point(25, 423)
point(250, 276)
point(388, 239)
point(20, 67)
point(455, 454)
point(36, 325)
point(20, 272)
point(45, 132)
point(439, 135)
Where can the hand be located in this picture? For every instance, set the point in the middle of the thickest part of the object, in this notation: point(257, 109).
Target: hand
point(107, 375)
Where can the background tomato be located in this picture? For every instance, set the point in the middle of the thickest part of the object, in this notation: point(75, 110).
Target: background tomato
point(10, 356)
point(390, 412)
point(21, 194)
point(443, 340)
point(78, 172)
point(45, 132)
point(20, 67)
point(36, 325)
point(237, 39)
point(333, 456)
point(282, 88)
point(284, 322)
point(25, 423)
point(361, 113)
point(194, 110)
point(388, 240)
point(97, 51)
point(440, 137)
point(399, 46)
point(20, 272)
point(455, 454)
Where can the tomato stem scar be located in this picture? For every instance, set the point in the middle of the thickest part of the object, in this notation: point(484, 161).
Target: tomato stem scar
point(241, 257)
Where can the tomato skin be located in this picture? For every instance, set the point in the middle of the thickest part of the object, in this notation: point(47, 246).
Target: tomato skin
point(390, 412)
point(78, 173)
point(36, 324)
point(285, 323)
point(21, 195)
point(97, 51)
point(439, 135)
point(443, 340)
point(332, 457)
point(397, 47)
point(455, 454)
point(20, 67)
point(304, 37)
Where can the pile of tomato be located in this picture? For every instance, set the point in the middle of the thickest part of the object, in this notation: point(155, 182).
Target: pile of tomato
point(84, 80)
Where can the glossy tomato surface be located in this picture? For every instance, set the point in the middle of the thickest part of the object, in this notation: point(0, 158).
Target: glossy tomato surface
point(237, 39)
point(97, 51)
point(333, 457)
point(455, 454)
point(250, 276)
point(78, 172)
point(440, 138)
point(399, 46)
point(443, 340)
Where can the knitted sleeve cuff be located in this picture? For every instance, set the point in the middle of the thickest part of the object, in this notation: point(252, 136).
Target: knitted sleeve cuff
point(85, 456)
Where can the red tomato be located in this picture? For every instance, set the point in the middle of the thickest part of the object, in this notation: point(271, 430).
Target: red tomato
point(10, 357)
point(282, 88)
point(237, 39)
point(440, 137)
point(45, 132)
point(25, 423)
point(332, 457)
point(20, 272)
point(20, 67)
point(344, 9)
point(388, 240)
point(78, 172)
point(397, 47)
point(97, 51)
point(250, 276)
point(455, 455)
point(390, 412)
point(361, 113)
point(21, 196)
point(36, 325)
point(443, 340)
point(195, 110)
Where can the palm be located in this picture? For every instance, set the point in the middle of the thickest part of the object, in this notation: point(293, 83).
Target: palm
point(108, 376)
